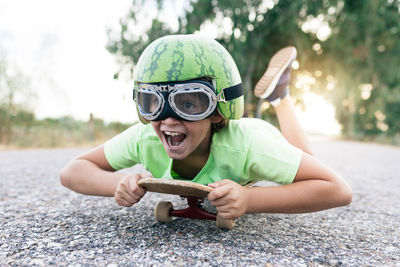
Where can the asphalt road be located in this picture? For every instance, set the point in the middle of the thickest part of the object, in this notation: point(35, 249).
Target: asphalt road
point(42, 223)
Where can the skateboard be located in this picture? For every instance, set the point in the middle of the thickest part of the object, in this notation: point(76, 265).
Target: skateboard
point(194, 194)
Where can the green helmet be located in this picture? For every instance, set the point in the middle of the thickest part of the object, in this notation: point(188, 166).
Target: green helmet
point(177, 58)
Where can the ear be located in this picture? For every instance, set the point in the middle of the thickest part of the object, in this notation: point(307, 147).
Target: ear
point(216, 117)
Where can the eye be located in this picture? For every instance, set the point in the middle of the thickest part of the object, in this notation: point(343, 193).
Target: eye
point(189, 105)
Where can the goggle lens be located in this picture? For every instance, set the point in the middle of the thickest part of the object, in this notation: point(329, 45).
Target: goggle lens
point(149, 102)
point(192, 103)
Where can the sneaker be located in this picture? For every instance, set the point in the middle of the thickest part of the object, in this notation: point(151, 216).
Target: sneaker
point(273, 85)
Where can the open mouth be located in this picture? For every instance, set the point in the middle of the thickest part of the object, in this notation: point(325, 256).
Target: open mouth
point(174, 139)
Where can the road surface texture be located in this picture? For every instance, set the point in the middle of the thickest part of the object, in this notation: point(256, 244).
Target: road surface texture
point(43, 223)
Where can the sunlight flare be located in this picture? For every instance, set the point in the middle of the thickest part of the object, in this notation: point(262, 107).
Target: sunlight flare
point(319, 115)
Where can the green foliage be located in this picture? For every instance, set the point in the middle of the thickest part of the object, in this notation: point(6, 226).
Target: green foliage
point(126, 44)
point(362, 54)
point(355, 66)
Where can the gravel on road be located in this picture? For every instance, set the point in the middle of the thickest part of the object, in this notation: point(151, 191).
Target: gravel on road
point(43, 223)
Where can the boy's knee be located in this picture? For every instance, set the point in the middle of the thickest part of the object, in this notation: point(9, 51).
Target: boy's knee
point(65, 178)
point(348, 196)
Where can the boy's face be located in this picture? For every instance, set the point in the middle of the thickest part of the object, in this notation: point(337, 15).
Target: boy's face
point(183, 138)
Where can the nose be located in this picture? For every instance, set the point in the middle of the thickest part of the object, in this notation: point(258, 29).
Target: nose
point(171, 121)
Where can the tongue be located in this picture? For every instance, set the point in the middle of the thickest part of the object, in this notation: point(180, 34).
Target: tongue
point(177, 139)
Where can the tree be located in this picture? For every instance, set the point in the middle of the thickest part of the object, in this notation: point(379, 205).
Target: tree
point(127, 44)
point(14, 98)
point(347, 49)
point(359, 65)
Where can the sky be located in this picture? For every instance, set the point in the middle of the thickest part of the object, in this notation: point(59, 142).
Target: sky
point(60, 45)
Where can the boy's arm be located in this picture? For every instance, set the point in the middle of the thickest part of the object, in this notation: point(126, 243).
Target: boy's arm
point(315, 187)
point(91, 174)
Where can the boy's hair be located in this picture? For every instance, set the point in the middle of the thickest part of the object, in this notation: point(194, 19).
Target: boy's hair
point(216, 127)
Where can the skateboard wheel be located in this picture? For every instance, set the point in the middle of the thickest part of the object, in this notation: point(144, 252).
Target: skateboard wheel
point(161, 211)
point(225, 224)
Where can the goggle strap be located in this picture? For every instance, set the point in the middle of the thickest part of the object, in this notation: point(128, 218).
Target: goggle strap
point(233, 92)
point(227, 93)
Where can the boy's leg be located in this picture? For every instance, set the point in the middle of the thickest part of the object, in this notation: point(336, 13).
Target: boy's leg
point(273, 87)
point(290, 125)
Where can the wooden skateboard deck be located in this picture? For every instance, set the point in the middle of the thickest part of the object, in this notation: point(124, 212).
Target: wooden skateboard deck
point(175, 187)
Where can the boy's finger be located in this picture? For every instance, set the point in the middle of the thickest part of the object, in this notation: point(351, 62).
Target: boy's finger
point(139, 191)
point(135, 189)
point(220, 203)
point(218, 192)
point(122, 201)
point(144, 175)
point(132, 199)
point(128, 191)
point(219, 183)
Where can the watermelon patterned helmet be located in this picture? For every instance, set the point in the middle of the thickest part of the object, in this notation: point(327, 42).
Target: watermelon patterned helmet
point(177, 58)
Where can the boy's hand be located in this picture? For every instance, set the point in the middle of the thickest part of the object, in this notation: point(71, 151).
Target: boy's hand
point(229, 198)
point(128, 191)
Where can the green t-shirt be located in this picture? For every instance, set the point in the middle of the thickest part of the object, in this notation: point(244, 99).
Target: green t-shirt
point(247, 149)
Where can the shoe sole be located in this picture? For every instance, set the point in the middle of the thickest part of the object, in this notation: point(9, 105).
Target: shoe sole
point(279, 62)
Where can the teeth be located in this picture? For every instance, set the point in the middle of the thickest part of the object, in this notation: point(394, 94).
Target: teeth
point(172, 133)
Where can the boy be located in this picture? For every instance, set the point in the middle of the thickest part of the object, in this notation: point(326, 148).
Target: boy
point(189, 89)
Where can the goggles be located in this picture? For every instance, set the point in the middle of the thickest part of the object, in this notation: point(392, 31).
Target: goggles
point(191, 101)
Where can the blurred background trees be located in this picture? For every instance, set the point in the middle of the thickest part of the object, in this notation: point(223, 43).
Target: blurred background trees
point(347, 51)
point(20, 128)
point(14, 98)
